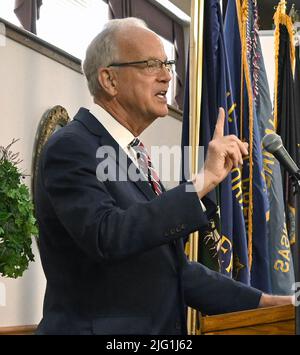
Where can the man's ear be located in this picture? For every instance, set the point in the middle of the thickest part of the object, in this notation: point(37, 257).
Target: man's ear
point(108, 81)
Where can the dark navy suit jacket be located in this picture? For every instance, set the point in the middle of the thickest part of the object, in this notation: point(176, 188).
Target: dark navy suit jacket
point(112, 252)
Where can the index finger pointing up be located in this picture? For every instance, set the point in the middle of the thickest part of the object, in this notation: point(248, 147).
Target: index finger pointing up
point(219, 129)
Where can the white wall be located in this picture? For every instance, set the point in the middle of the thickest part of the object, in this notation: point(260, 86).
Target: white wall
point(267, 44)
point(31, 84)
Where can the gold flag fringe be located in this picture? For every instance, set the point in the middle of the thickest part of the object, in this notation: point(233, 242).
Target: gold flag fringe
point(242, 11)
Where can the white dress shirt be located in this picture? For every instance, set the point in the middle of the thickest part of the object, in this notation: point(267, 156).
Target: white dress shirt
point(119, 133)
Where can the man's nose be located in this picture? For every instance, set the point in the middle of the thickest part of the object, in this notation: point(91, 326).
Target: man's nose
point(165, 74)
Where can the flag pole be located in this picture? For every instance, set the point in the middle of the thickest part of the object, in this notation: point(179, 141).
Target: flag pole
point(196, 62)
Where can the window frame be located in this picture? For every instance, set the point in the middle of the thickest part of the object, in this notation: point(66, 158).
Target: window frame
point(37, 44)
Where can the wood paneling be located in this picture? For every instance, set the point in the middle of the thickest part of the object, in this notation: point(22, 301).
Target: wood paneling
point(19, 330)
point(272, 320)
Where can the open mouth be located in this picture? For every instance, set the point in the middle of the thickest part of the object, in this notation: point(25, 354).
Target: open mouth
point(162, 95)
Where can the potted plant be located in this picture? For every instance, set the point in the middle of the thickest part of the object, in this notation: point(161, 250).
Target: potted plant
point(17, 222)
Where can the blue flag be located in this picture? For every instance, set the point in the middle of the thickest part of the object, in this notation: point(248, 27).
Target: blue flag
point(255, 199)
point(281, 264)
point(286, 124)
point(216, 92)
point(232, 219)
point(208, 250)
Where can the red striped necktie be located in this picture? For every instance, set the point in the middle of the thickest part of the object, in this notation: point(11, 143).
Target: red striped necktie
point(145, 165)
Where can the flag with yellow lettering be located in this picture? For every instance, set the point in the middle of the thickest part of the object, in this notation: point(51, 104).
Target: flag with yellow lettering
point(216, 92)
point(281, 263)
point(233, 227)
point(255, 200)
point(284, 106)
point(208, 250)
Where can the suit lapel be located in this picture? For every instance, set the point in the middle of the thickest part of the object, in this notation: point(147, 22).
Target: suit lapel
point(106, 140)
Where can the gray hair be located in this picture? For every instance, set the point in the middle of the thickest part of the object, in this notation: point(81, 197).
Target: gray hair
point(103, 50)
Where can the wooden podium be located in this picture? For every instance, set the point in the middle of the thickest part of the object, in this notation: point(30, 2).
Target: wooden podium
point(263, 321)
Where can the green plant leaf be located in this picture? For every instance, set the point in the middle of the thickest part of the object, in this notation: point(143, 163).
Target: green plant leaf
point(17, 222)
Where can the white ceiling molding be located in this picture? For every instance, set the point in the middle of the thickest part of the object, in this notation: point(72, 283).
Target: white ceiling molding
point(172, 10)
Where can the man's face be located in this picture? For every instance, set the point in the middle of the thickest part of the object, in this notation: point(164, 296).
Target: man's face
point(141, 93)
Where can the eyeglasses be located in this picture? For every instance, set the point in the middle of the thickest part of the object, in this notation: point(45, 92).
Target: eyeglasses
point(153, 66)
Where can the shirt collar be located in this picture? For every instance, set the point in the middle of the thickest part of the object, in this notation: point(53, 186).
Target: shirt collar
point(119, 133)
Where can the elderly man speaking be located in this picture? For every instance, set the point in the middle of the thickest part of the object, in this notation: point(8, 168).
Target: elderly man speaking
point(112, 247)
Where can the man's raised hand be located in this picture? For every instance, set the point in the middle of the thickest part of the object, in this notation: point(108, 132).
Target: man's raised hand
point(224, 153)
